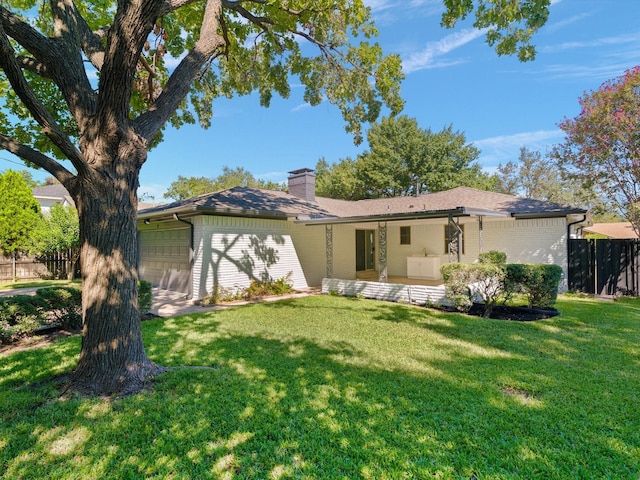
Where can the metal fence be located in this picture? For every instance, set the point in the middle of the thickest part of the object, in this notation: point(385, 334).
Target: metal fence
point(27, 267)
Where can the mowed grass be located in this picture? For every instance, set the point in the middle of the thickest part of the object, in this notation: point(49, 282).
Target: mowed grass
point(328, 387)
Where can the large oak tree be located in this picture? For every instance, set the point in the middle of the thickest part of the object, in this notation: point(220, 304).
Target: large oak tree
point(51, 51)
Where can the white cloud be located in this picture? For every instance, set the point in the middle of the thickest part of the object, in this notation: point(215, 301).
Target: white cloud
point(429, 56)
point(505, 148)
point(628, 38)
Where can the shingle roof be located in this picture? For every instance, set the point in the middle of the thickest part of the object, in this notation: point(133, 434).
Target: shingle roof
point(242, 201)
point(53, 191)
point(612, 230)
point(462, 198)
point(254, 202)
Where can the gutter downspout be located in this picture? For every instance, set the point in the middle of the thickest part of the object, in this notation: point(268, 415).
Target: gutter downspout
point(191, 251)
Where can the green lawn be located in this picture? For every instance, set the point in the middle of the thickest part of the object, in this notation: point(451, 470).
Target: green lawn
point(38, 284)
point(329, 387)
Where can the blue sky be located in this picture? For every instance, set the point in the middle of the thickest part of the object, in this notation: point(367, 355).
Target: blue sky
point(452, 77)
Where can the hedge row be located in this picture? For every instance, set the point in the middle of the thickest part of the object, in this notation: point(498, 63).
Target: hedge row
point(493, 282)
point(23, 315)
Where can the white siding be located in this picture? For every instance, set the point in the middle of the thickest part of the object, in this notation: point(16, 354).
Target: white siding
point(310, 243)
point(231, 251)
point(393, 292)
point(344, 251)
point(425, 236)
point(541, 240)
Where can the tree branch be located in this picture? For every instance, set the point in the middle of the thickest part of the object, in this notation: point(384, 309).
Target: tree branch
point(91, 41)
point(149, 123)
point(12, 70)
point(28, 37)
point(34, 66)
point(68, 69)
point(33, 156)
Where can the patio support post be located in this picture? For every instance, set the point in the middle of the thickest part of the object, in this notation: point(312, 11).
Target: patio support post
point(480, 228)
point(454, 232)
point(382, 252)
point(328, 231)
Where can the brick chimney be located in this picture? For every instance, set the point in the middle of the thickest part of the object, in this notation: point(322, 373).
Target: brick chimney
point(302, 184)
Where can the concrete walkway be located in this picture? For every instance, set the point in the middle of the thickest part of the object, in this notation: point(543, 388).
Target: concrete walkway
point(170, 304)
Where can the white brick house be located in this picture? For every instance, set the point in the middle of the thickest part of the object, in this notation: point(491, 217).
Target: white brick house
point(227, 238)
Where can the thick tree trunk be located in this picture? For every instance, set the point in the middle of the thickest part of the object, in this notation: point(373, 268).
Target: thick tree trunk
point(112, 359)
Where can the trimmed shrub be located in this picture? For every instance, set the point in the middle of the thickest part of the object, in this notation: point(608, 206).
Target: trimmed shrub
point(465, 282)
point(258, 288)
point(538, 282)
point(493, 257)
point(20, 316)
point(62, 306)
point(145, 296)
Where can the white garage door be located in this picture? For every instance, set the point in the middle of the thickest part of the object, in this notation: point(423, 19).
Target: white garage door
point(164, 258)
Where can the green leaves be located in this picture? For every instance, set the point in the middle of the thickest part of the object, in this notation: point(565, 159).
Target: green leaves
point(509, 24)
point(602, 146)
point(19, 213)
point(404, 159)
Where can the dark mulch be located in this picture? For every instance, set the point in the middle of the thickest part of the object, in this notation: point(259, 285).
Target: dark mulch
point(504, 312)
point(520, 314)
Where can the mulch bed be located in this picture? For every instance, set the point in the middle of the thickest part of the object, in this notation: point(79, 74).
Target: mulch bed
point(503, 312)
point(519, 314)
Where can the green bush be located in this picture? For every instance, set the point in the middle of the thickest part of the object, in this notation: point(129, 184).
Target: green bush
point(145, 296)
point(538, 282)
point(464, 282)
point(62, 306)
point(258, 288)
point(20, 316)
point(494, 257)
point(493, 282)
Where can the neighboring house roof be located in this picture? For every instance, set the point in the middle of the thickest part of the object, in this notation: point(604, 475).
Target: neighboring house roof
point(244, 201)
point(612, 230)
point(241, 201)
point(58, 194)
point(53, 193)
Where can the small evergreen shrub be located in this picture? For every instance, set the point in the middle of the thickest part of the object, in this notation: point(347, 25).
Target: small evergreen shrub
point(493, 257)
point(145, 296)
point(463, 282)
point(20, 316)
point(538, 282)
point(62, 306)
point(493, 281)
point(259, 288)
point(256, 289)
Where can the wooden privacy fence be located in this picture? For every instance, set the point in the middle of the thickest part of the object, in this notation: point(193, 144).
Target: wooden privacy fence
point(604, 266)
point(27, 267)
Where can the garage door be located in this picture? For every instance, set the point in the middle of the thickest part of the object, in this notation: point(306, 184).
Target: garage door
point(164, 258)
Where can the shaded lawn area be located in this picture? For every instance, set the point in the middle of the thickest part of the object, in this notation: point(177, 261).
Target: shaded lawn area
point(330, 387)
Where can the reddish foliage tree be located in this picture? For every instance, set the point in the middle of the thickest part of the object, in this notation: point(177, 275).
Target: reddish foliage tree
point(601, 149)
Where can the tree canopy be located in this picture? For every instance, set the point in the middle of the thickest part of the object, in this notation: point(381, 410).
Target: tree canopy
point(91, 82)
point(19, 213)
point(601, 150)
point(59, 232)
point(187, 187)
point(404, 159)
point(535, 175)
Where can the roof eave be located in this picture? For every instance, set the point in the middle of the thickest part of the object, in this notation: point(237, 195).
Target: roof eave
point(557, 214)
point(192, 210)
point(458, 212)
